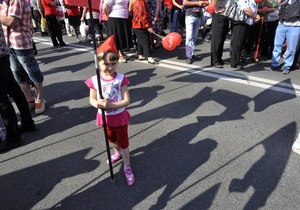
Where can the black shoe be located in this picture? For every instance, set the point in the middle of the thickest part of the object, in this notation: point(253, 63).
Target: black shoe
point(218, 65)
point(238, 67)
point(189, 60)
point(6, 146)
point(63, 44)
point(27, 128)
point(196, 56)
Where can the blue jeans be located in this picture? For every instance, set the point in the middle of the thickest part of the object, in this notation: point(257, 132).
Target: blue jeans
point(24, 65)
point(292, 35)
point(192, 25)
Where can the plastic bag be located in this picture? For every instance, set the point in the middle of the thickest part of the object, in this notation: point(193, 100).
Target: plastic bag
point(83, 29)
point(43, 24)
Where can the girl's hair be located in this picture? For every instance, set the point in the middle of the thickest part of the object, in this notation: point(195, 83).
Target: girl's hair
point(107, 54)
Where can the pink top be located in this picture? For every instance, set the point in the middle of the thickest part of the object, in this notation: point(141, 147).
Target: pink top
point(113, 118)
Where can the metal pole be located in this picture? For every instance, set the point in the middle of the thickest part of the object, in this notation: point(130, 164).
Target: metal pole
point(100, 92)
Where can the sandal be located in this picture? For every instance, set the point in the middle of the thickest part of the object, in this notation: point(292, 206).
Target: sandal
point(115, 157)
point(122, 59)
point(130, 179)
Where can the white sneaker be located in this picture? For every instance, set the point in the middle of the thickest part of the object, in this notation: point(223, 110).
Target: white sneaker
point(39, 106)
point(296, 145)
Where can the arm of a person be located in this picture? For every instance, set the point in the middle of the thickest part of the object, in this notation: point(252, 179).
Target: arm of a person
point(177, 5)
point(130, 5)
point(83, 13)
point(9, 21)
point(158, 7)
point(40, 7)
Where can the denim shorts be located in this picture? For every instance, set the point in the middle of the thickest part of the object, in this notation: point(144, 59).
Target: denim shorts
point(24, 66)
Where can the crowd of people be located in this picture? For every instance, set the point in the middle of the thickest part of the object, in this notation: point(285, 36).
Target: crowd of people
point(270, 28)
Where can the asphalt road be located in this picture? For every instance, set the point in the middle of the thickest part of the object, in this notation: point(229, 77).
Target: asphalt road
point(200, 137)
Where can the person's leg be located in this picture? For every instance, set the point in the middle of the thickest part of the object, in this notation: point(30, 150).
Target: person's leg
point(15, 92)
point(293, 37)
point(239, 33)
point(7, 112)
point(189, 42)
point(196, 26)
point(139, 44)
point(278, 44)
point(220, 27)
point(51, 22)
point(35, 75)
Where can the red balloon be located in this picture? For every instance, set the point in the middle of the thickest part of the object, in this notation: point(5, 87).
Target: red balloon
point(210, 8)
point(171, 41)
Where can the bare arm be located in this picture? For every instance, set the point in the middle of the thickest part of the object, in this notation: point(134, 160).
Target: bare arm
point(177, 5)
point(9, 21)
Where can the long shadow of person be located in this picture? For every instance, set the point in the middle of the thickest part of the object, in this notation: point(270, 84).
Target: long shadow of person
point(137, 77)
point(23, 189)
point(269, 98)
point(165, 163)
point(265, 174)
point(190, 104)
point(143, 95)
point(170, 160)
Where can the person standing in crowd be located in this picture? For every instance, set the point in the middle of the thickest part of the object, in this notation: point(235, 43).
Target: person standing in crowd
point(52, 22)
point(119, 25)
point(240, 31)
point(269, 28)
point(19, 39)
point(288, 30)
point(73, 18)
point(167, 5)
point(157, 19)
point(116, 97)
point(177, 24)
point(95, 19)
point(36, 13)
point(7, 112)
point(193, 20)
point(141, 24)
point(219, 30)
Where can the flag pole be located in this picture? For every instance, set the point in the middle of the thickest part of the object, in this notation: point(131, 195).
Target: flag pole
point(100, 91)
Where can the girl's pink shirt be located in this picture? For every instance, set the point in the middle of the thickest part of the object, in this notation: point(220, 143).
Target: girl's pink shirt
point(111, 120)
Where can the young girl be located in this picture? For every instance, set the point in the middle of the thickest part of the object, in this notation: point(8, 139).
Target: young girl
point(116, 98)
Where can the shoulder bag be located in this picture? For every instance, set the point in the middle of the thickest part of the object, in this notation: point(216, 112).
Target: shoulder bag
point(234, 13)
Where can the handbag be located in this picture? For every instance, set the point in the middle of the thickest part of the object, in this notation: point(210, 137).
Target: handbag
point(234, 13)
point(83, 29)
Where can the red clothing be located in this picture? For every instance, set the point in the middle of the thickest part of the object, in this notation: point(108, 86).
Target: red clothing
point(72, 10)
point(140, 15)
point(168, 4)
point(49, 9)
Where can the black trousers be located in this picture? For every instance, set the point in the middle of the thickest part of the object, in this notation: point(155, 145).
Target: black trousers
point(7, 111)
point(220, 27)
point(239, 35)
point(54, 30)
point(143, 42)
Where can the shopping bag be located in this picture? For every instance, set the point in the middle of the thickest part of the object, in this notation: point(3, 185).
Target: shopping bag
point(83, 28)
point(43, 24)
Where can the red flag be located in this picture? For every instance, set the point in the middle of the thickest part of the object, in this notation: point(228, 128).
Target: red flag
point(83, 3)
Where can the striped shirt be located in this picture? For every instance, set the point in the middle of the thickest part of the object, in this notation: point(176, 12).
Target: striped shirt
point(20, 37)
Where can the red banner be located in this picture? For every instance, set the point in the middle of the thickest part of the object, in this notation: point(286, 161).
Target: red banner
point(83, 3)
